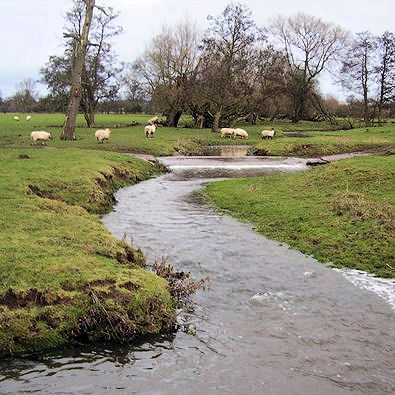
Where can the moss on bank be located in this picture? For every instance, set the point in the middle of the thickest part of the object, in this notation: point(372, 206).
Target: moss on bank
point(64, 277)
point(341, 213)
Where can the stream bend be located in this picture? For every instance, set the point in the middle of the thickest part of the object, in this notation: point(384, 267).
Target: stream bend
point(272, 321)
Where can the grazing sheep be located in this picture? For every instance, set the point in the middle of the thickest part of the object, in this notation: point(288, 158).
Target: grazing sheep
point(152, 121)
point(267, 134)
point(40, 135)
point(149, 130)
point(102, 134)
point(28, 117)
point(240, 133)
point(227, 132)
point(16, 118)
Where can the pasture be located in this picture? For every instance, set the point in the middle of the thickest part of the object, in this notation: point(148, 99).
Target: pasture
point(315, 138)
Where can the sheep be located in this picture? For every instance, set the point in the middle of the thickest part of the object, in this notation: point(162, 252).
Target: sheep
point(149, 130)
point(102, 134)
point(227, 132)
point(152, 121)
point(267, 134)
point(40, 135)
point(240, 133)
point(16, 118)
point(28, 117)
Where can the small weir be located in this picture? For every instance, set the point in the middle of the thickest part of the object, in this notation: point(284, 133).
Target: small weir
point(230, 166)
point(272, 320)
point(227, 150)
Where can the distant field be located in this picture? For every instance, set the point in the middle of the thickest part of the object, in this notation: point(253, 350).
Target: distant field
point(183, 140)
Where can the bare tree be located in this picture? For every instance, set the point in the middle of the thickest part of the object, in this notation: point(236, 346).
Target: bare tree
point(357, 71)
point(270, 76)
point(385, 71)
point(78, 60)
point(310, 44)
point(100, 77)
point(228, 47)
point(134, 88)
point(56, 74)
point(26, 94)
point(167, 66)
point(99, 80)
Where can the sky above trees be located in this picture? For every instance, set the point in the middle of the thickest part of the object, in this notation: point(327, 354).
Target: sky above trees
point(31, 31)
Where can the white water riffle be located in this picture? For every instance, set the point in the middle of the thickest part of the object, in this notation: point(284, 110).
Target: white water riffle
point(385, 288)
point(240, 166)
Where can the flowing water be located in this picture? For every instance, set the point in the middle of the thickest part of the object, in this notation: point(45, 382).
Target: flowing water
point(272, 320)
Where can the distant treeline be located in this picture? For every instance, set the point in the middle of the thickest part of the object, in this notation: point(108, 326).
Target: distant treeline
point(235, 71)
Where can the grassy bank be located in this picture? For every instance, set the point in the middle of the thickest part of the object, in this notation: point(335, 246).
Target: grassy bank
point(64, 278)
point(169, 141)
point(342, 213)
point(325, 143)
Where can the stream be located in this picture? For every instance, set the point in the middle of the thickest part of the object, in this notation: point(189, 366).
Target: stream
point(271, 321)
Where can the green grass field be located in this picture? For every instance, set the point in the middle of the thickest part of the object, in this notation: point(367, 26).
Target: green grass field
point(60, 268)
point(168, 141)
point(342, 213)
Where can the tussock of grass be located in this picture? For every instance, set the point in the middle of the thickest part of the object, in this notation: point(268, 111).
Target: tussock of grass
point(342, 213)
point(358, 206)
point(60, 267)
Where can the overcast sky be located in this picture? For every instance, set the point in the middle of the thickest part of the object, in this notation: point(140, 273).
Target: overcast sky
point(31, 30)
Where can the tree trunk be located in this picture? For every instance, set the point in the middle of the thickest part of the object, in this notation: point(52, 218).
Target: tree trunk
point(217, 117)
point(88, 105)
point(300, 106)
point(79, 52)
point(200, 121)
point(366, 109)
point(379, 113)
point(253, 118)
point(89, 117)
point(173, 117)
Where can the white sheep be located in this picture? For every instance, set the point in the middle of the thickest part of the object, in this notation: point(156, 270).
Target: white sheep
point(152, 121)
point(149, 130)
point(16, 118)
point(267, 134)
point(227, 132)
point(240, 133)
point(102, 134)
point(28, 117)
point(40, 135)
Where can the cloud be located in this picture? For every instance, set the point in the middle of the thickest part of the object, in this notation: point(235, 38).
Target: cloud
point(36, 26)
